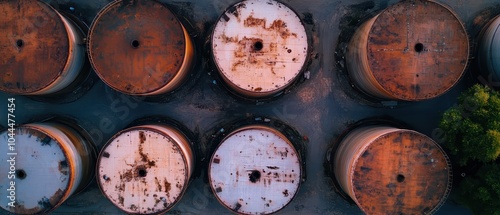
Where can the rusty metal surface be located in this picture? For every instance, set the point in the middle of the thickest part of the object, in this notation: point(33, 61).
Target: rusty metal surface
point(145, 169)
point(415, 50)
point(137, 47)
point(320, 108)
point(400, 172)
point(34, 46)
point(260, 47)
point(255, 170)
point(52, 162)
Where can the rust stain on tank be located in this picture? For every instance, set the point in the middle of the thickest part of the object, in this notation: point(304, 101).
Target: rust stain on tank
point(285, 193)
point(259, 63)
point(237, 207)
point(123, 34)
point(167, 185)
point(249, 45)
point(20, 209)
point(238, 63)
point(216, 160)
point(280, 26)
point(158, 186)
point(133, 207)
point(218, 189)
point(121, 200)
point(32, 33)
point(227, 39)
point(254, 22)
point(144, 157)
point(273, 47)
point(277, 25)
point(120, 187)
point(142, 175)
point(253, 48)
point(410, 166)
point(283, 154)
point(235, 11)
point(56, 197)
point(142, 137)
point(45, 140)
point(63, 167)
point(105, 154)
point(268, 177)
point(127, 176)
point(413, 50)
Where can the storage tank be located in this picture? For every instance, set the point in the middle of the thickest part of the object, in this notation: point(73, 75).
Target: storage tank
point(411, 51)
point(259, 47)
point(145, 169)
point(42, 52)
point(255, 169)
point(47, 163)
point(140, 48)
point(387, 170)
point(489, 52)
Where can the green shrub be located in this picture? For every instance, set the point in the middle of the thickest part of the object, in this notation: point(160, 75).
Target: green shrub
point(472, 130)
point(482, 192)
point(472, 127)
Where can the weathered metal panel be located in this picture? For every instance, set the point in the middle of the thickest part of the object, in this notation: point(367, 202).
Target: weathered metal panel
point(145, 169)
point(139, 47)
point(413, 50)
point(255, 170)
point(40, 51)
point(259, 47)
point(386, 170)
point(52, 163)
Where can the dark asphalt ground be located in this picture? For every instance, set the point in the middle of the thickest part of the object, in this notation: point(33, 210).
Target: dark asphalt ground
point(320, 108)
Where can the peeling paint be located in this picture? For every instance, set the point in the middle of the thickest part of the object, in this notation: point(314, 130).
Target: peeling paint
point(377, 178)
point(66, 159)
point(150, 159)
point(260, 158)
point(115, 52)
point(263, 55)
point(417, 58)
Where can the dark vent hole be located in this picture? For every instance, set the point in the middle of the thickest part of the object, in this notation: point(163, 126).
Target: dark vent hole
point(19, 43)
point(254, 176)
point(135, 43)
point(419, 47)
point(21, 174)
point(142, 173)
point(400, 178)
point(257, 46)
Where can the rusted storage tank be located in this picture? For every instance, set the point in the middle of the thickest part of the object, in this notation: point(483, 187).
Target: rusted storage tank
point(42, 51)
point(259, 48)
point(50, 161)
point(145, 169)
point(255, 170)
point(489, 51)
point(387, 170)
point(139, 47)
point(413, 50)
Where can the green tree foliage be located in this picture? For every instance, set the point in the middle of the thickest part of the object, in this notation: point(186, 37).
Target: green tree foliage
point(472, 130)
point(482, 192)
point(472, 127)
